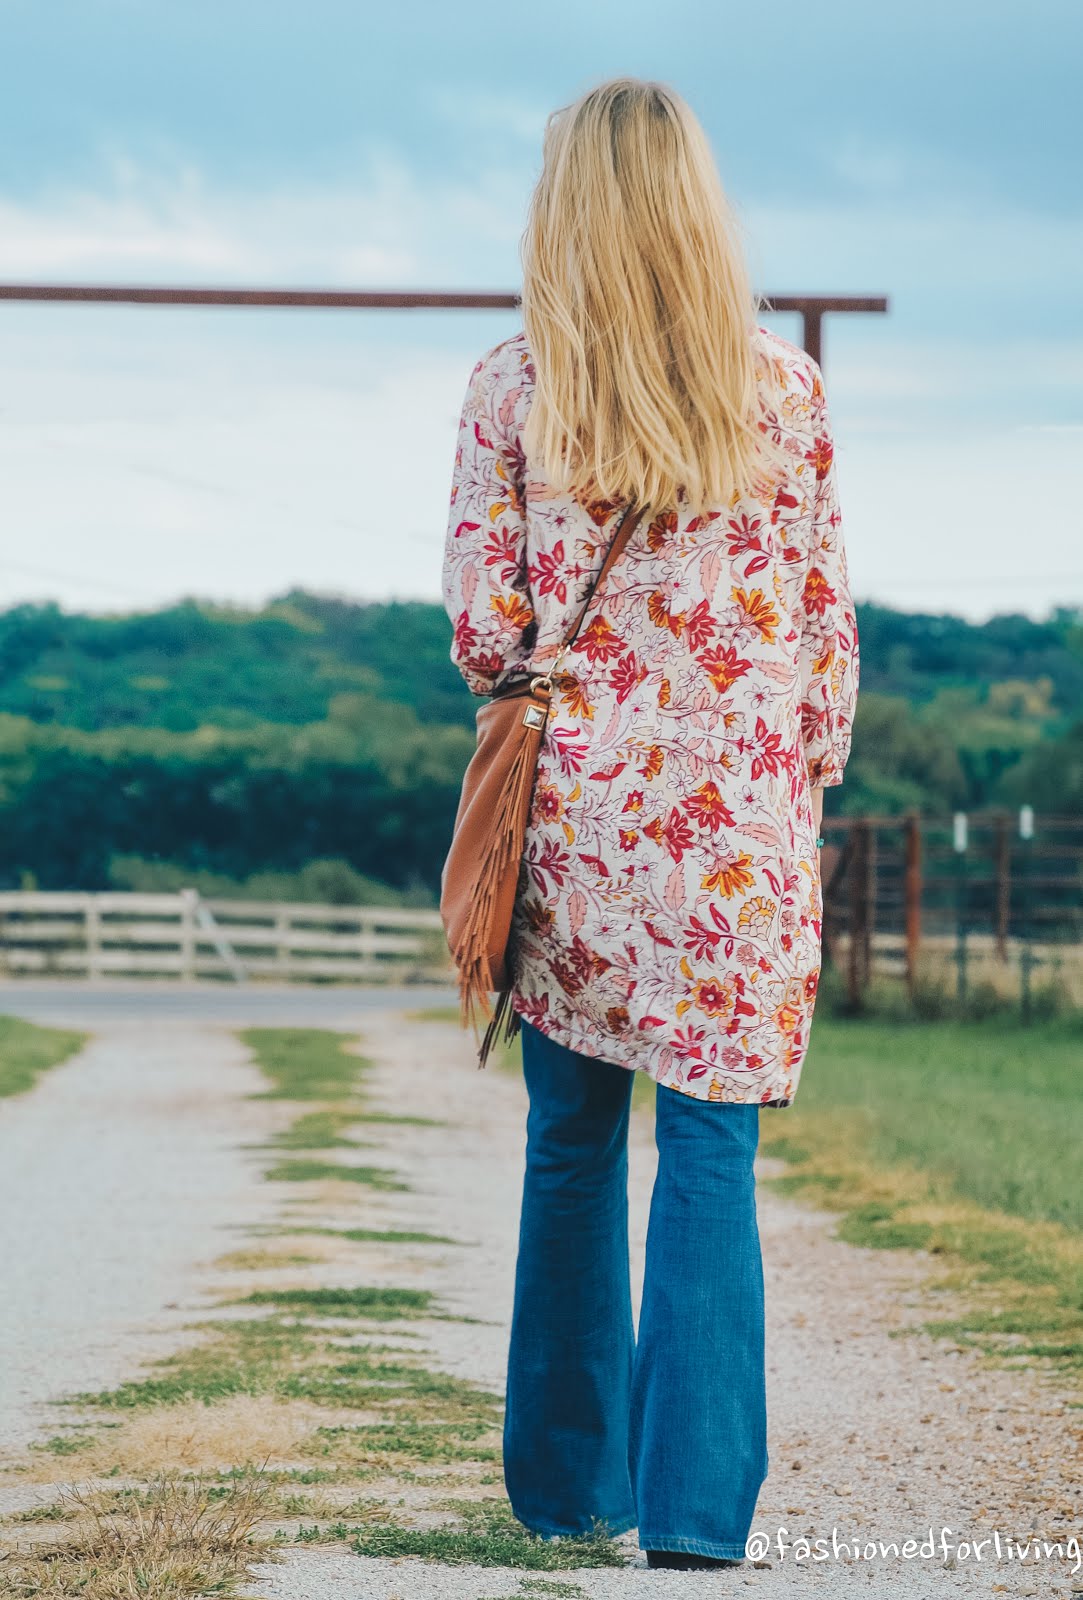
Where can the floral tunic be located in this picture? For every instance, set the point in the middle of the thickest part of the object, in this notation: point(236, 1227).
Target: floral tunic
point(669, 908)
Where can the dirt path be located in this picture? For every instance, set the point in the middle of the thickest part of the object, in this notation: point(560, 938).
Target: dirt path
point(119, 1175)
point(877, 1431)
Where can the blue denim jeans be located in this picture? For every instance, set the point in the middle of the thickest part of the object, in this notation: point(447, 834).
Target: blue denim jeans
point(667, 1432)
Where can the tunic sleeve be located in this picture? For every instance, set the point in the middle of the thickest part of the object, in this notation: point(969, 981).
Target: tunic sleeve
point(485, 559)
point(829, 657)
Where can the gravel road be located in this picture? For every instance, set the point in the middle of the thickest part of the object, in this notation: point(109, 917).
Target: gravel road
point(126, 1170)
point(876, 1430)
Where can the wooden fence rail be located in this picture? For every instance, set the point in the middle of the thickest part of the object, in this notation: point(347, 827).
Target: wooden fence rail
point(185, 937)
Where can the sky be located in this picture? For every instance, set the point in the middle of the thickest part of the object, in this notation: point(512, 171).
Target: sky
point(928, 152)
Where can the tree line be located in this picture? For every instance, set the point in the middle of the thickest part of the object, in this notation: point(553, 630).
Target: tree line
point(203, 740)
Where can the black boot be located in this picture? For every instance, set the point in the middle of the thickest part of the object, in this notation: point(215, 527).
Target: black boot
point(687, 1560)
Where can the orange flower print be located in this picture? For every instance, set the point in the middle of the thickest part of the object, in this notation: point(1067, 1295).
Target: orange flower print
point(730, 877)
point(573, 695)
point(786, 1017)
point(617, 1019)
point(629, 838)
point(512, 609)
point(715, 997)
point(756, 916)
point(662, 616)
point(548, 803)
point(661, 531)
point(757, 612)
point(653, 758)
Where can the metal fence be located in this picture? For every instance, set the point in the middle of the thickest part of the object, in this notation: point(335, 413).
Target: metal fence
point(990, 897)
point(185, 937)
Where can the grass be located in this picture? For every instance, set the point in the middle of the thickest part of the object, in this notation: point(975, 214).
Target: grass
point(173, 1538)
point(383, 1235)
point(302, 1171)
point(991, 1111)
point(305, 1063)
point(26, 1051)
point(960, 1139)
point(363, 1302)
point(489, 1536)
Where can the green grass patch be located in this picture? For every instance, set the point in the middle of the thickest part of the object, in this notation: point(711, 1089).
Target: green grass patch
point(382, 1235)
point(26, 1051)
point(360, 1302)
point(993, 1112)
point(489, 1537)
point(301, 1171)
point(305, 1063)
point(960, 1139)
point(317, 1130)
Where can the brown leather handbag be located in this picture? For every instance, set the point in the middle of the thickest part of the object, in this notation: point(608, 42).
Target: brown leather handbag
point(481, 873)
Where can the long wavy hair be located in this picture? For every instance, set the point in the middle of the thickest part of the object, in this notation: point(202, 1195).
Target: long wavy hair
point(650, 379)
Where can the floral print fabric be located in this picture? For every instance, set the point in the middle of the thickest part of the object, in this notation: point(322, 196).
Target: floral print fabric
point(669, 908)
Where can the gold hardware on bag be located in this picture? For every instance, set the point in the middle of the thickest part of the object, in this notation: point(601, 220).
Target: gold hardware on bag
point(534, 717)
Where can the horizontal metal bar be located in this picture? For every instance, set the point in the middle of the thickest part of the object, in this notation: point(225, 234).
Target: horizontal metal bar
point(360, 299)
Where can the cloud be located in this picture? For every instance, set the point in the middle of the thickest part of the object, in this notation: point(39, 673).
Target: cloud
point(390, 226)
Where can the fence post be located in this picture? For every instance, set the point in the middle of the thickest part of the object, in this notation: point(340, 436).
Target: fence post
point(1026, 961)
point(913, 900)
point(1003, 857)
point(189, 899)
point(93, 936)
point(959, 841)
point(860, 894)
point(282, 934)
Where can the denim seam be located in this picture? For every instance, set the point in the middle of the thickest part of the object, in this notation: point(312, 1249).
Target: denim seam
point(692, 1547)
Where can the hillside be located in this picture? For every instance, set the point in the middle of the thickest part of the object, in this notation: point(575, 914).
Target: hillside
point(199, 740)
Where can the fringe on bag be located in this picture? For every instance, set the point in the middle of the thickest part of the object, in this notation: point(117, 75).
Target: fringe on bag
point(475, 975)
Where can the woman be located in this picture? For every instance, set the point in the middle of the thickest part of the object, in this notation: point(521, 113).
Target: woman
point(668, 915)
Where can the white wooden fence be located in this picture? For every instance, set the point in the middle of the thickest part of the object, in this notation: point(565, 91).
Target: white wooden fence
point(186, 937)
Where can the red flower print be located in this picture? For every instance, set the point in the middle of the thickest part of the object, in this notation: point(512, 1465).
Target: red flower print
point(701, 626)
point(707, 807)
point(724, 667)
point(626, 676)
point(769, 756)
point(818, 593)
point(634, 801)
point(551, 861)
point(500, 551)
point(466, 635)
point(674, 834)
point(598, 642)
point(744, 535)
point(701, 940)
point(546, 572)
point(821, 454)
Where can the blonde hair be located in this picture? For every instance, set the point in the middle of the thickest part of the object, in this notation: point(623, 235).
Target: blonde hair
point(638, 311)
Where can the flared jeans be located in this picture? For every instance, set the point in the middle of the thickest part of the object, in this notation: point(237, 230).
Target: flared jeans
point(665, 1431)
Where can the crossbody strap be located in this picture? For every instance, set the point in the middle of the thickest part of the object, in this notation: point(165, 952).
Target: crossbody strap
point(618, 544)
